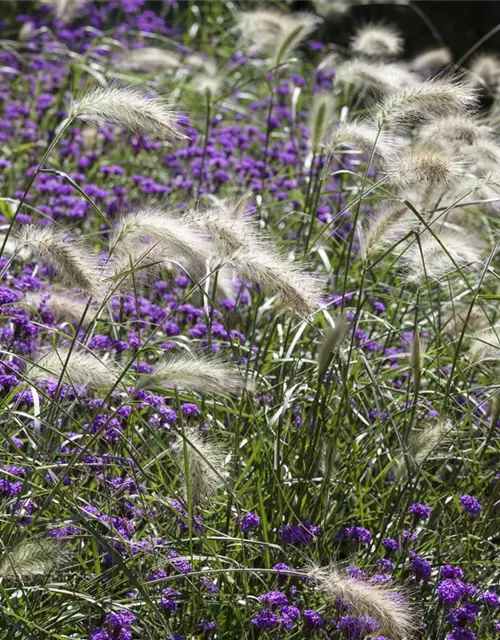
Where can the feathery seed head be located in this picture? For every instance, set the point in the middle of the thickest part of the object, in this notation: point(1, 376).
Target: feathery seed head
point(73, 264)
point(377, 41)
point(485, 345)
point(298, 290)
point(64, 308)
point(30, 558)
point(486, 68)
point(457, 130)
point(433, 59)
point(270, 31)
point(149, 59)
point(204, 465)
point(421, 446)
point(127, 107)
point(202, 374)
point(205, 83)
point(78, 367)
point(332, 10)
point(425, 165)
point(387, 605)
point(365, 137)
point(432, 260)
point(386, 228)
point(298, 30)
point(165, 233)
point(425, 100)
point(373, 76)
point(332, 338)
point(320, 118)
point(66, 10)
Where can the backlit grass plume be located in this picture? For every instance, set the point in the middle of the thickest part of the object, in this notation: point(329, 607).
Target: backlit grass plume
point(149, 59)
point(320, 119)
point(387, 605)
point(377, 41)
point(203, 374)
point(432, 59)
point(485, 68)
point(425, 166)
point(31, 558)
point(365, 137)
point(456, 130)
point(423, 101)
point(80, 367)
point(434, 259)
point(66, 10)
point(422, 445)
point(73, 264)
point(297, 289)
point(130, 108)
point(485, 346)
point(204, 466)
point(64, 307)
point(332, 10)
point(273, 32)
point(256, 259)
point(373, 76)
point(174, 236)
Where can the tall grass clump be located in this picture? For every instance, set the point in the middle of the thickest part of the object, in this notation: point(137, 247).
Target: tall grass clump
point(249, 335)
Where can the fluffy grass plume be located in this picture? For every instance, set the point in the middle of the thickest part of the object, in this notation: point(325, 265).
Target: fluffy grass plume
point(74, 264)
point(332, 338)
point(66, 10)
point(432, 59)
point(377, 41)
point(130, 108)
point(456, 130)
point(429, 258)
point(387, 605)
point(485, 346)
point(64, 307)
point(176, 237)
point(81, 367)
point(203, 374)
point(425, 166)
point(365, 137)
point(297, 289)
point(149, 59)
point(273, 32)
point(485, 67)
point(332, 10)
point(205, 464)
point(384, 228)
point(373, 76)
point(422, 445)
point(422, 101)
point(320, 119)
point(31, 558)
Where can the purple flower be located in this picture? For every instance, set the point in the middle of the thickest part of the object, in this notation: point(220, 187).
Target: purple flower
point(449, 571)
point(390, 545)
point(265, 619)
point(420, 511)
point(461, 634)
point(491, 599)
point(450, 591)
point(273, 599)
point(358, 534)
point(298, 533)
point(248, 522)
point(421, 568)
point(470, 505)
point(312, 620)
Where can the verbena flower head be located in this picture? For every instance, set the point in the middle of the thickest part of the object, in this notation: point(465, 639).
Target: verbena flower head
point(471, 506)
point(420, 511)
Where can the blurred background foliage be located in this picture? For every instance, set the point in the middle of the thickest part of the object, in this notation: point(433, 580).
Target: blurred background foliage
point(459, 24)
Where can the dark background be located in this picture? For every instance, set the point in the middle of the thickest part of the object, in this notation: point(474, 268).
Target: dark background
point(459, 23)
